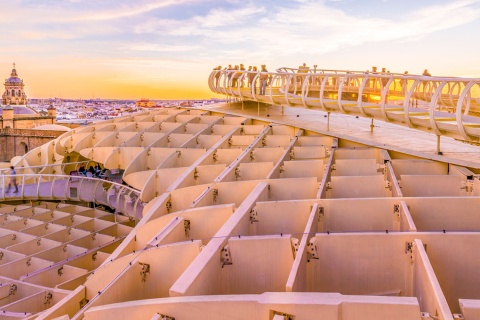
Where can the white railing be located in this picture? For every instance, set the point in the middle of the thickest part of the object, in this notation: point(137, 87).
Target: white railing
point(441, 99)
point(122, 198)
point(60, 168)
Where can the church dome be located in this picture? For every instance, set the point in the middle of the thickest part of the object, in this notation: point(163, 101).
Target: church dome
point(13, 80)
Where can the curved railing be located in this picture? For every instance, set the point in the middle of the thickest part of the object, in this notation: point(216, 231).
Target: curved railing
point(60, 168)
point(122, 198)
point(445, 105)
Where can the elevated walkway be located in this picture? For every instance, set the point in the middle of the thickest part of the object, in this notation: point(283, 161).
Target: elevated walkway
point(35, 187)
point(446, 106)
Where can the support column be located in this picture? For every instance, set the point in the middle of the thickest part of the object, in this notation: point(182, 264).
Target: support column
point(438, 146)
point(328, 121)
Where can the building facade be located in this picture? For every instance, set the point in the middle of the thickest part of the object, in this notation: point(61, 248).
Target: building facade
point(17, 142)
point(19, 123)
point(145, 103)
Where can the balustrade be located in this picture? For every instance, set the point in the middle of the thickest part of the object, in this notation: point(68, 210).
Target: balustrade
point(445, 105)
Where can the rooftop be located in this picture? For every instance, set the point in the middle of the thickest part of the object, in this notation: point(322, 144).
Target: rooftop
point(250, 210)
point(19, 109)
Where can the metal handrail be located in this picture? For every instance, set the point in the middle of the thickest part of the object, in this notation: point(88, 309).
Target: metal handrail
point(40, 167)
point(122, 198)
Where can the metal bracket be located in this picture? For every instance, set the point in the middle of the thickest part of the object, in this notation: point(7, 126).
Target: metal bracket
point(396, 211)
point(215, 157)
point(252, 156)
point(237, 173)
point(295, 245)
point(144, 271)
point(388, 185)
point(168, 205)
point(165, 317)
point(215, 194)
point(60, 271)
point(467, 185)
point(292, 154)
point(186, 227)
point(312, 250)
point(321, 212)
point(83, 302)
point(408, 246)
point(396, 208)
point(277, 315)
point(225, 256)
point(13, 290)
point(48, 298)
point(253, 216)
point(94, 256)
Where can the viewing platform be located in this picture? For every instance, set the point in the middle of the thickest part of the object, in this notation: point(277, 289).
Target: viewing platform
point(445, 106)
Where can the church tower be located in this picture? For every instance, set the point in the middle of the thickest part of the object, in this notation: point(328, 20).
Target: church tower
point(14, 93)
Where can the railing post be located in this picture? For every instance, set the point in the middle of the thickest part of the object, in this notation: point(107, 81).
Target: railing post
point(438, 146)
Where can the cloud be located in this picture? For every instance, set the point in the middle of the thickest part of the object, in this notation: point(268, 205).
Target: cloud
point(162, 37)
point(128, 11)
point(162, 47)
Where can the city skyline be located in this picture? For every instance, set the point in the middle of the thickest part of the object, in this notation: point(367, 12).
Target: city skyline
point(166, 49)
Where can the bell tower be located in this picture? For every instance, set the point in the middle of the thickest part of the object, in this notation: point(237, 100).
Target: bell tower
point(14, 90)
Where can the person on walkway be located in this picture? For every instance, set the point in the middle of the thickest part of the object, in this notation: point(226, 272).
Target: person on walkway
point(106, 184)
point(426, 73)
point(384, 80)
point(251, 77)
point(217, 74)
point(235, 76)
point(404, 84)
point(263, 79)
point(13, 180)
point(374, 80)
point(242, 68)
point(302, 69)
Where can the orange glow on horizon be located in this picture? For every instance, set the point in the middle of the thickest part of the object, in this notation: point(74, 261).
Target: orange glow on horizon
point(42, 82)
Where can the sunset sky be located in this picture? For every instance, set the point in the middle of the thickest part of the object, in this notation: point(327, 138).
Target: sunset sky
point(165, 49)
